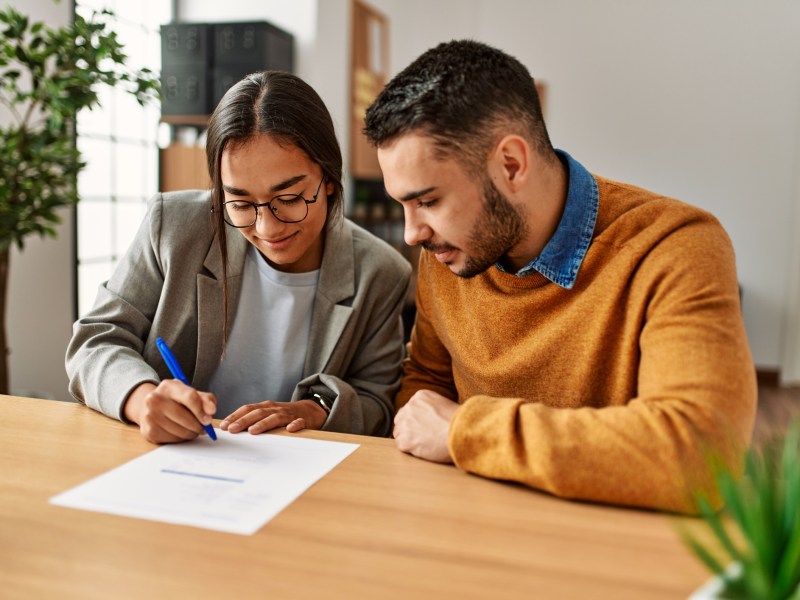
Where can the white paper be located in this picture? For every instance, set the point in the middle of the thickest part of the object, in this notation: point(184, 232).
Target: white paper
point(235, 484)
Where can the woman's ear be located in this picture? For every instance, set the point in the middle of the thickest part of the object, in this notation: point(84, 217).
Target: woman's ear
point(512, 158)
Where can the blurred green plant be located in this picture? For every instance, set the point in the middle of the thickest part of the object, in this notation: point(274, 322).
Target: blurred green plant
point(755, 548)
point(47, 75)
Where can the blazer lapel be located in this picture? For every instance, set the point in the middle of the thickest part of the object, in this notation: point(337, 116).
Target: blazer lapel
point(336, 284)
point(210, 305)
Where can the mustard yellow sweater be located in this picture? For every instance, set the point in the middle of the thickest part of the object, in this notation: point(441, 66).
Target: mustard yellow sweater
point(619, 390)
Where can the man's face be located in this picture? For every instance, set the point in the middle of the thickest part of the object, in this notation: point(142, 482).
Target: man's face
point(467, 224)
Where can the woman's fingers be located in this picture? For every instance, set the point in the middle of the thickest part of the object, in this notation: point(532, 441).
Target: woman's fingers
point(273, 421)
point(243, 411)
point(175, 412)
point(264, 416)
point(202, 405)
point(165, 421)
point(261, 417)
point(296, 425)
point(167, 432)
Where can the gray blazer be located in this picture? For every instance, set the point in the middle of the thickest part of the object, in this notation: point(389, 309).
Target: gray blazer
point(169, 285)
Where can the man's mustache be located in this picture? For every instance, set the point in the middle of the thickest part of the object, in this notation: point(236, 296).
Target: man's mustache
point(436, 248)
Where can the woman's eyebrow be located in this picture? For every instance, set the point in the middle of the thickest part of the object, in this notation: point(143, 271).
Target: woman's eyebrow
point(287, 183)
point(235, 191)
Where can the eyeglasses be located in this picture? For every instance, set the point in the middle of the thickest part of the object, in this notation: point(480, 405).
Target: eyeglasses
point(287, 208)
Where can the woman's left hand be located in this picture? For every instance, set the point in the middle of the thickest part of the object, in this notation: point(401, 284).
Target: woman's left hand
point(263, 416)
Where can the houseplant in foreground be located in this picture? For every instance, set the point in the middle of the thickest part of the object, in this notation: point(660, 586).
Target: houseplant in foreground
point(47, 75)
point(755, 547)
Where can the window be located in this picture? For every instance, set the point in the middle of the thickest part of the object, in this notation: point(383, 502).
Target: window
point(119, 142)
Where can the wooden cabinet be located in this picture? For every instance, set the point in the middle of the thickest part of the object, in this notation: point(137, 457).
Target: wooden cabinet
point(183, 167)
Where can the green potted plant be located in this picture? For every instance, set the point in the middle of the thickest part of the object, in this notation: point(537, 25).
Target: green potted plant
point(47, 75)
point(753, 544)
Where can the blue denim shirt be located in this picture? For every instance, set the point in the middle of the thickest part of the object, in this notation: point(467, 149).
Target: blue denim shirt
point(562, 256)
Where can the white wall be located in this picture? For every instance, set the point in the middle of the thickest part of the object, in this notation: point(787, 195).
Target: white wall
point(790, 365)
point(696, 100)
point(40, 298)
point(699, 100)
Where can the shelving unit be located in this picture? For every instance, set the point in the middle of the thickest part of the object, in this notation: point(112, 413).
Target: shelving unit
point(371, 208)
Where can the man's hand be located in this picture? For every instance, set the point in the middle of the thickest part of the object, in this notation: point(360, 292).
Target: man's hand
point(421, 426)
point(170, 412)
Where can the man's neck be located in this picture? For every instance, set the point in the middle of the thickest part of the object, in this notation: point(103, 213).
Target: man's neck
point(542, 204)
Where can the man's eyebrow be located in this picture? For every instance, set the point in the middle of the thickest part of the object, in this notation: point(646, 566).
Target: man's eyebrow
point(416, 194)
point(285, 184)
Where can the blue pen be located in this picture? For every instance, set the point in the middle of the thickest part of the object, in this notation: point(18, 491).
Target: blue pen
point(177, 373)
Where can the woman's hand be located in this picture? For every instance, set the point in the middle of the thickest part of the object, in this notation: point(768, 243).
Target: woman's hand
point(171, 411)
point(263, 416)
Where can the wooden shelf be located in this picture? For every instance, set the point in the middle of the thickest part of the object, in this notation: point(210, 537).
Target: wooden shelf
point(192, 120)
point(369, 70)
point(183, 167)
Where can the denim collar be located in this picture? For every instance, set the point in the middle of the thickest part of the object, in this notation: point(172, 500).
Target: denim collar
point(562, 256)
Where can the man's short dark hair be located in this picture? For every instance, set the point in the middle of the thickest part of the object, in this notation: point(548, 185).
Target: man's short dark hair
point(465, 95)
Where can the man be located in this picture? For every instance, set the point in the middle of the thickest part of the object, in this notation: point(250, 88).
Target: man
point(575, 334)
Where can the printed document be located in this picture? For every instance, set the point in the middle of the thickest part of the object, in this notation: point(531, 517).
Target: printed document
point(235, 484)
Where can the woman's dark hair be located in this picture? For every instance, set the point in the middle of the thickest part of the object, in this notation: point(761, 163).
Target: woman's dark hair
point(287, 109)
point(465, 95)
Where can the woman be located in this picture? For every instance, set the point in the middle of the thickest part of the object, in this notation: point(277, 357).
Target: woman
point(280, 310)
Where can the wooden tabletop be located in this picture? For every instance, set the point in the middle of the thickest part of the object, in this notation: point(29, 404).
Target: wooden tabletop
point(380, 525)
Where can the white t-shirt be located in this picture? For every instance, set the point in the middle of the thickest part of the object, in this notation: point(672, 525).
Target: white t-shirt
point(267, 344)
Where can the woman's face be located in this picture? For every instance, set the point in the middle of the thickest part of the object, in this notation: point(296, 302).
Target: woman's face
point(259, 169)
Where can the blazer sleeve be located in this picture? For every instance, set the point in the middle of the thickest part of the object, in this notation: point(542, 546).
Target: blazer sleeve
point(363, 390)
point(104, 358)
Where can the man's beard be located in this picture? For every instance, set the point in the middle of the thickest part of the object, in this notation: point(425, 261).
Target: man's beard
point(500, 227)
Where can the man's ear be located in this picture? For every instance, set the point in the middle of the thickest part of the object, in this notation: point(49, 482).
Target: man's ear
point(512, 160)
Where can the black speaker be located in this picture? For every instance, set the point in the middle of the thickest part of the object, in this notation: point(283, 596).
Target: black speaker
point(187, 44)
point(201, 61)
point(186, 90)
point(258, 44)
point(222, 78)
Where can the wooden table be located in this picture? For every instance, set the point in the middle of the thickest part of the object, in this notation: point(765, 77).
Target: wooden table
point(381, 525)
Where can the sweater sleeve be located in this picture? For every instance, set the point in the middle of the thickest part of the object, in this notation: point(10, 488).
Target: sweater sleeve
point(427, 365)
point(694, 405)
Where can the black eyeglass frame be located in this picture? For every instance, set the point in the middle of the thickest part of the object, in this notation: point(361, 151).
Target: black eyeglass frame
point(272, 210)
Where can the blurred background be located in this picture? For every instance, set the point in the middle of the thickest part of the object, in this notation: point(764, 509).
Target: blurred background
point(695, 100)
